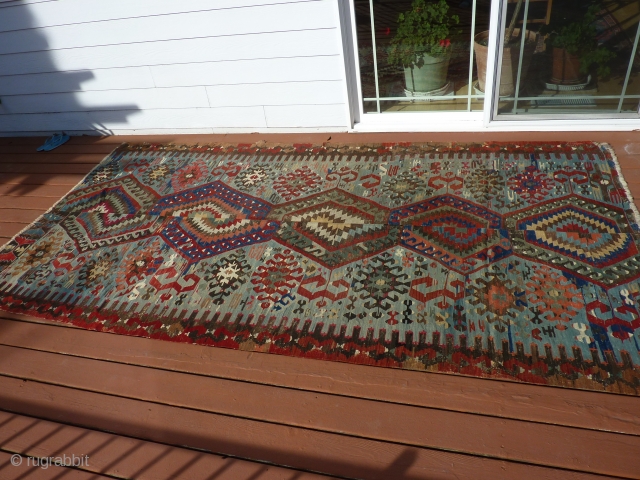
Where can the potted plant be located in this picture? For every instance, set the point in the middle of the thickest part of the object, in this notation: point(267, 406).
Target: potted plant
point(575, 49)
point(422, 45)
point(510, 56)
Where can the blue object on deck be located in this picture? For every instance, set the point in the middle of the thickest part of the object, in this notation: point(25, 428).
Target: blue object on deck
point(54, 141)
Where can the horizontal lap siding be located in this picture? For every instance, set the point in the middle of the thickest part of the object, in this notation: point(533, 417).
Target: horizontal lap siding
point(76, 81)
point(152, 65)
point(240, 72)
point(143, 99)
point(230, 22)
point(262, 45)
point(237, 117)
point(48, 14)
point(299, 69)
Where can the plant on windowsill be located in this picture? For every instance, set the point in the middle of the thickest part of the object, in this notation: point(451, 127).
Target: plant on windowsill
point(422, 45)
point(510, 55)
point(575, 47)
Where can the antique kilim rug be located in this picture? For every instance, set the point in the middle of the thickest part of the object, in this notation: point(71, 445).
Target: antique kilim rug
point(497, 260)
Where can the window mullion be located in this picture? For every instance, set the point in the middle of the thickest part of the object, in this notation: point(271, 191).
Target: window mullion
point(494, 59)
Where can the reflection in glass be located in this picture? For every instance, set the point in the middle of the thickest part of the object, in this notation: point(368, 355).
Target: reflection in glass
point(417, 55)
point(575, 58)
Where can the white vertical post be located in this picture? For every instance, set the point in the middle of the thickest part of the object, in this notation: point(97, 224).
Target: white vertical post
point(494, 58)
point(375, 55)
point(473, 34)
point(352, 88)
point(523, 41)
point(626, 79)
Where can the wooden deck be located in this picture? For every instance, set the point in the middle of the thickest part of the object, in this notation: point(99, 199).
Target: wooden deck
point(145, 408)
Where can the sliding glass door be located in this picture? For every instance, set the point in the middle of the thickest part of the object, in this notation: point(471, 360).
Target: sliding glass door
point(550, 59)
point(418, 55)
point(582, 60)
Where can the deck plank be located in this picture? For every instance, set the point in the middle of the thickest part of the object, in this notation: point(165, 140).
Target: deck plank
point(26, 191)
point(40, 179)
point(66, 148)
point(46, 168)
point(26, 203)
point(36, 141)
point(125, 457)
point(628, 162)
point(21, 215)
point(632, 175)
point(552, 405)
point(49, 158)
point(8, 230)
point(332, 454)
point(634, 189)
point(625, 142)
point(10, 472)
point(453, 431)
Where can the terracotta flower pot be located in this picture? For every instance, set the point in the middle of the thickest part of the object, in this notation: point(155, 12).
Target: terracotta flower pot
point(566, 68)
point(509, 71)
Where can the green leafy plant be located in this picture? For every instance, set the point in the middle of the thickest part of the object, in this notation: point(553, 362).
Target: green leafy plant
point(425, 29)
point(577, 35)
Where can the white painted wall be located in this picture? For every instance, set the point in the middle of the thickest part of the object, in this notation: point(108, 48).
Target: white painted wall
point(169, 66)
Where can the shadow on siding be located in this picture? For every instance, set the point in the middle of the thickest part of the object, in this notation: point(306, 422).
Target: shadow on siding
point(46, 102)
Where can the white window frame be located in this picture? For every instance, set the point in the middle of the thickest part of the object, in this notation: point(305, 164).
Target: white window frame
point(437, 121)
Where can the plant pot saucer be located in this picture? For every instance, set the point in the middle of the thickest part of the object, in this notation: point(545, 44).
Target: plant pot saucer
point(445, 91)
point(559, 87)
point(564, 98)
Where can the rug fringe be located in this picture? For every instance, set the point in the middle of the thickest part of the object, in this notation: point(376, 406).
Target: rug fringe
point(632, 206)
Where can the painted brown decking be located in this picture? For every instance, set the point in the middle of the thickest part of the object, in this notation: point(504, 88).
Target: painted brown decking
point(152, 409)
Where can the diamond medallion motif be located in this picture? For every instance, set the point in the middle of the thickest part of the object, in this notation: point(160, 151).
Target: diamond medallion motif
point(584, 238)
point(335, 227)
point(461, 235)
point(108, 213)
point(213, 219)
point(579, 234)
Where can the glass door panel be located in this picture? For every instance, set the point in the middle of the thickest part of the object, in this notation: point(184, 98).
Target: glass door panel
point(418, 55)
point(576, 57)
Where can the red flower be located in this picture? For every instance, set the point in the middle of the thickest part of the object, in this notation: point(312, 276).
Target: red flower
point(445, 43)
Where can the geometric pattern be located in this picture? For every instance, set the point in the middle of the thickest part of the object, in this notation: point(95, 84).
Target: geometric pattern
point(335, 228)
point(199, 237)
point(512, 261)
point(461, 235)
point(582, 239)
point(108, 213)
point(446, 210)
point(463, 250)
point(212, 219)
point(219, 200)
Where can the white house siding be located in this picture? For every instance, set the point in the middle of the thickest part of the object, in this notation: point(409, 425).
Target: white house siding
point(168, 66)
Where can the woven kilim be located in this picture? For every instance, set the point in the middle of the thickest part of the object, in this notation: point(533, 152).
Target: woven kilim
point(496, 260)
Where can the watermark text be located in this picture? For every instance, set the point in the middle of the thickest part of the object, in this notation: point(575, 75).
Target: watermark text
point(46, 462)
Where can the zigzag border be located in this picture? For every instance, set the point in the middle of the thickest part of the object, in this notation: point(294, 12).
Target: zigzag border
point(294, 338)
